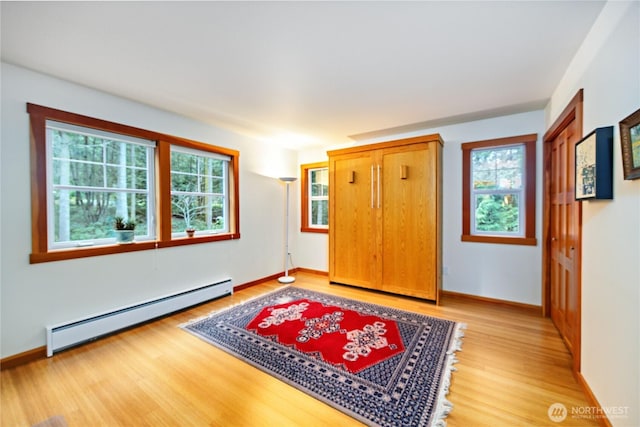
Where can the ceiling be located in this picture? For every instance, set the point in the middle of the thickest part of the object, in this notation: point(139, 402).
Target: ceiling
point(307, 73)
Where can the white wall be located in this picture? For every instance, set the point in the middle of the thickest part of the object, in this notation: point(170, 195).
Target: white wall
point(607, 67)
point(506, 272)
point(33, 296)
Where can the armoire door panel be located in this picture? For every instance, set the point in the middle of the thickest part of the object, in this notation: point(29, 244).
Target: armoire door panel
point(408, 203)
point(351, 221)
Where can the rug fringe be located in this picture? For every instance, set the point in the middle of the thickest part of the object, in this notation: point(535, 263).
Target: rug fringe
point(222, 310)
point(444, 406)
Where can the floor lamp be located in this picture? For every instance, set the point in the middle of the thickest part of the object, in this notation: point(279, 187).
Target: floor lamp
point(286, 278)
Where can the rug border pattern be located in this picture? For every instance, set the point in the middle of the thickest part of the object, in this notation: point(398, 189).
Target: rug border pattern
point(448, 331)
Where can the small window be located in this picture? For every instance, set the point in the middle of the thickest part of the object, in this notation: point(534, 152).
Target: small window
point(199, 199)
point(499, 190)
point(94, 177)
point(315, 197)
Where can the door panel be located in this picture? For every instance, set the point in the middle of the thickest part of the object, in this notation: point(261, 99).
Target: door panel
point(352, 236)
point(408, 203)
point(565, 225)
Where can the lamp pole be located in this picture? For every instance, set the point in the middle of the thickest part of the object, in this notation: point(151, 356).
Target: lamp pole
point(286, 278)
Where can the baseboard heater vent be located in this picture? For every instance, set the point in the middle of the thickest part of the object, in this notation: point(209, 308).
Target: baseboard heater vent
point(66, 335)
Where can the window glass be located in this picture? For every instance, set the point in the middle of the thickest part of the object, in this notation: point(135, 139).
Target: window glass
point(497, 186)
point(319, 197)
point(199, 196)
point(93, 178)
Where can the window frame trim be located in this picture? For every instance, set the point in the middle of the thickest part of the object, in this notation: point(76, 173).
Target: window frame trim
point(304, 206)
point(529, 235)
point(161, 168)
point(225, 177)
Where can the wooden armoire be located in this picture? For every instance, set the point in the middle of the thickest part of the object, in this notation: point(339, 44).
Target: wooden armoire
point(385, 216)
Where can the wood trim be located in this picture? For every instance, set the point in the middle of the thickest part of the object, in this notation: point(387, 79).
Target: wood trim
point(183, 241)
point(65, 254)
point(163, 190)
point(234, 196)
point(259, 281)
point(569, 113)
point(526, 241)
point(530, 189)
point(310, 271)
point(86, 121)
point(39, 243)
point(388, 144)
point(466, 194)
point(304, 197)
point(534, 309)
point(314, 230)
point(519, 139)
point(603, 421)
point(275, 277)
point(23, 358)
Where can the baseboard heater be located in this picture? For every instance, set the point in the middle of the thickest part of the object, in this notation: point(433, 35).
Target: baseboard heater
point(69, 334)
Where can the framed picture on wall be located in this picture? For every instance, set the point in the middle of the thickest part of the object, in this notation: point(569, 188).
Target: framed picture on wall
point(594, 161)
point(630, 140)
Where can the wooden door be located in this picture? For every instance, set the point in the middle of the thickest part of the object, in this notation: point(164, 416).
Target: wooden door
point(351, 220)
point(408, 202)
point(564, 245)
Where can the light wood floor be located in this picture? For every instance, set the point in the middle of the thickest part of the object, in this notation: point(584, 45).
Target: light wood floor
point(512, 366)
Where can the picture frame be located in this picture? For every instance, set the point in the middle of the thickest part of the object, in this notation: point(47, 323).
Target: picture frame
point(630, 141)
point(594, 165)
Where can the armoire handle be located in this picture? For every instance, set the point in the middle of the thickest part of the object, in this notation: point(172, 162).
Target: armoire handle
point(371, 186)
point(378, 186)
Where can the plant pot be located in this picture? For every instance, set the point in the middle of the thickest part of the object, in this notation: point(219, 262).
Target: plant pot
point(190, 232)
point(124, 236)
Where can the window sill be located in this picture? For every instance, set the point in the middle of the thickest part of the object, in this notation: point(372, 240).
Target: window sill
point(525, 241)
point(314, 230)
point(73, 253)
point(182, 241)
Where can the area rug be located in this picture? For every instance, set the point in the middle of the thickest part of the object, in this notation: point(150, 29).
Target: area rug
point(380, 365)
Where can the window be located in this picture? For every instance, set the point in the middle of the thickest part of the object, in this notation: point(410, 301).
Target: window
point(86, 172)
point(92, 178)
point(198, 191)
point(498, 190)
point(315, 197)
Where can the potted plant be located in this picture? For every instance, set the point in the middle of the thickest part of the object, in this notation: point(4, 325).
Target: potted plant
point(124, 230)
point(190, 231)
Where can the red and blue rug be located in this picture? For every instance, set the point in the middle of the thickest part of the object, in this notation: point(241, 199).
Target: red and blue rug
point(382, 366)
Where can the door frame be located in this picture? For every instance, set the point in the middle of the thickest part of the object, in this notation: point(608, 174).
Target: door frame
point(573, 111)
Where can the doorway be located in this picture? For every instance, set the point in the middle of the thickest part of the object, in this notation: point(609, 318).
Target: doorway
point(562, 228)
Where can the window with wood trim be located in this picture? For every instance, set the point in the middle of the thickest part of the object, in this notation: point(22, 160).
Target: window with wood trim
point(86, 172)
point(315, 197)
point(499, 190)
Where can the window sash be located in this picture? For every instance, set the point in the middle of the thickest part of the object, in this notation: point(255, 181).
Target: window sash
point(316, 198)
point(53, 189)
point(186, 206)
point(519, 195)
point(517, 190)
